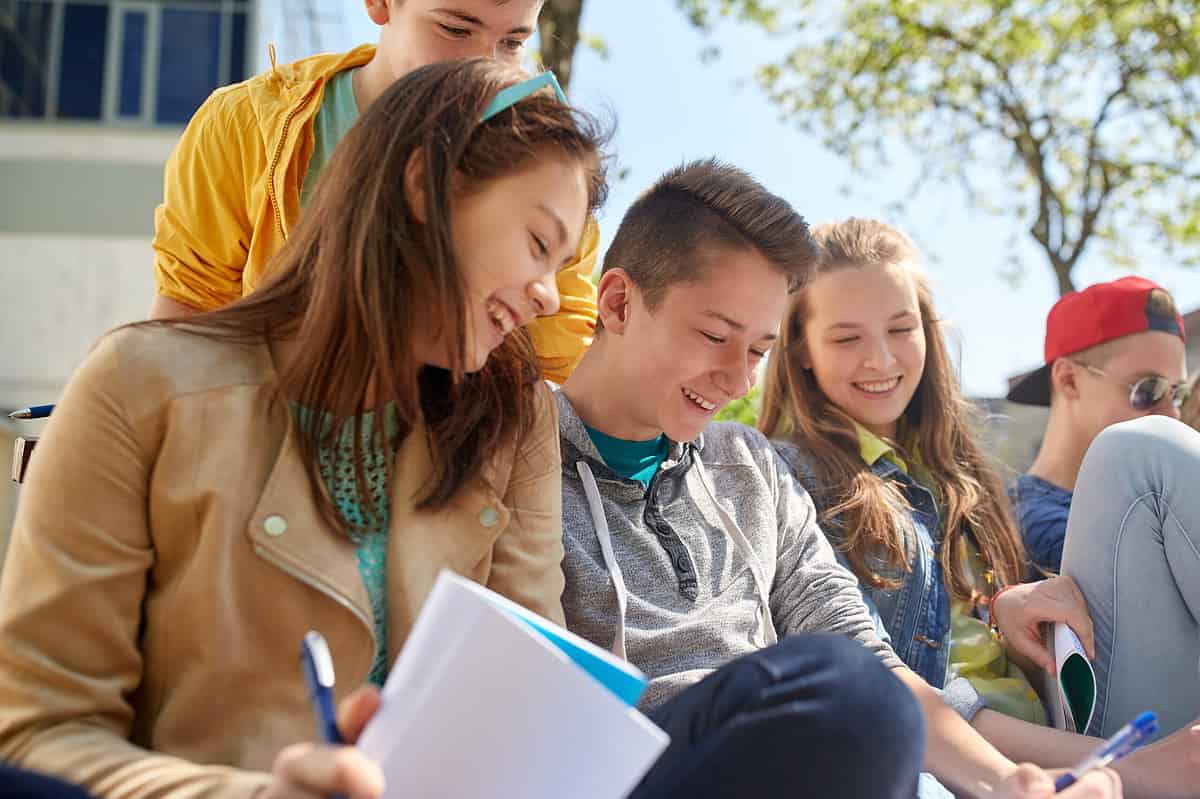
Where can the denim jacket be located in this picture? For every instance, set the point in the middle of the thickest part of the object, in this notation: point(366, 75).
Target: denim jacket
point(916, 614)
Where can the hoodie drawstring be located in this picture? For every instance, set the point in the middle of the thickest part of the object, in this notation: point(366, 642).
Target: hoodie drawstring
point(596, 507)
point(610, 560)
point(756, 569)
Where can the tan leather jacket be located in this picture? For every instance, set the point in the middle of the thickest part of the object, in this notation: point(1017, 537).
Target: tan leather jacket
point(168, 556)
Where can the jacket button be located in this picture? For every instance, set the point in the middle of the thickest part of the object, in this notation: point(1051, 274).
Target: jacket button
point(488, 517)
point(274, 526)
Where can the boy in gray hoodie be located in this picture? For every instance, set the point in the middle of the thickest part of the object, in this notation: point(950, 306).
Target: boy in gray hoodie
point(692, 552)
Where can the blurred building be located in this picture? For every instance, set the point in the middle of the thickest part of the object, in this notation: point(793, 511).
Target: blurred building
point(93, 97)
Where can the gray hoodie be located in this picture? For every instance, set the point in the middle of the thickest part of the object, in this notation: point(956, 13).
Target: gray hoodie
point(721, 554)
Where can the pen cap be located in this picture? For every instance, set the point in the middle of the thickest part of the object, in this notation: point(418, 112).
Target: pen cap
point(1146, 724)
point(317, 657)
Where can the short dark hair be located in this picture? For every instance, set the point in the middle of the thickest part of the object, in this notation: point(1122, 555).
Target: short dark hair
point(707, 205)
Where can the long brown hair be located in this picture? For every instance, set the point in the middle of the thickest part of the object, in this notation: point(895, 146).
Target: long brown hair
point(361, 277)
point(938, 420)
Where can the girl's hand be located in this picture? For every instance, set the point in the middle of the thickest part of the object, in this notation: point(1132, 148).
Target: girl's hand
point(1030, 782)
point(315, 771)
point(1021, 609)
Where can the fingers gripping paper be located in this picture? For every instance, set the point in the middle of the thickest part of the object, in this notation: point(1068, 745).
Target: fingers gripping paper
point(490, 700)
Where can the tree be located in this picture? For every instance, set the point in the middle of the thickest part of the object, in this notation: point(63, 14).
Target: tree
point(1086, 113)
point(558, 35)
point(744, 409)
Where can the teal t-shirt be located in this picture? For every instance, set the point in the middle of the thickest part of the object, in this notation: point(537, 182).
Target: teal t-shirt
point(335, 117)
point(633, 460)
point(368, 525)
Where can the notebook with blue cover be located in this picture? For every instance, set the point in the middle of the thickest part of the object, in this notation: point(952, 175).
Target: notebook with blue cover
point(529, 708)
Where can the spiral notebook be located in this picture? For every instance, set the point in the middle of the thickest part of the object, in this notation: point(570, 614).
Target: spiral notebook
point(490, 700)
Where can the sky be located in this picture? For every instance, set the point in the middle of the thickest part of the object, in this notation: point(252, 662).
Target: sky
point(670, 107)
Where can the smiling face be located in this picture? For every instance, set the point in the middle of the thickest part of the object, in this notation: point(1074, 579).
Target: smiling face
point(865, 343)
point(419, 32)
point(699, 347)
point(511, 236)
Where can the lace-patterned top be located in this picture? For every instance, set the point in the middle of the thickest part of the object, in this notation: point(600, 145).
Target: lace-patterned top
point(368, 526)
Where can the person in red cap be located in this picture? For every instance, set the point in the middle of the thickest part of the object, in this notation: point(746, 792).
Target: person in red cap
point(1111, 497)
point(1114, 352)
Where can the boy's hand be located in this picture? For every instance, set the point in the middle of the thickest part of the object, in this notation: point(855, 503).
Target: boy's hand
point(1166, 769)
point(315, 771)
point(1021, 610)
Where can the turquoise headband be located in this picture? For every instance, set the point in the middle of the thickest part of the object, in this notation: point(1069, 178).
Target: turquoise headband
point(511, 95)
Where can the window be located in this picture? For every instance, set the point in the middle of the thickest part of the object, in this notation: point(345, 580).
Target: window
point(137, 62)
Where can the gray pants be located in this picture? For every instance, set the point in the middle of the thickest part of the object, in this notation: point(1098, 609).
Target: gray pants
point(1133, 546)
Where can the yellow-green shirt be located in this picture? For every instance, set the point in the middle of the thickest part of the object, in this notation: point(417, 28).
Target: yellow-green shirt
point(974, 652)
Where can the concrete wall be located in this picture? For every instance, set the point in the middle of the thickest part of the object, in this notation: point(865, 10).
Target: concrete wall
point(1011, 433)
point(76, 219)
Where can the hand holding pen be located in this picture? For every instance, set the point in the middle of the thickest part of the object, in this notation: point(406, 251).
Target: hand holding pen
point(1122, 742)
point(328, 769)
point(1031, 782)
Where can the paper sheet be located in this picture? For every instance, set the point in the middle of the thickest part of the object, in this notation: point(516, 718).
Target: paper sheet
point(480, 704)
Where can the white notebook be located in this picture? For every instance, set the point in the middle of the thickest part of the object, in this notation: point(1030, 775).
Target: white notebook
point(490, 700)
point(1071, 694)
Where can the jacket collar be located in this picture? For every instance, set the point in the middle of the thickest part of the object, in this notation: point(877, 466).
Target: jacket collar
point(319, 67)
point(873, 448)
point(324, 558)
point(287, 529)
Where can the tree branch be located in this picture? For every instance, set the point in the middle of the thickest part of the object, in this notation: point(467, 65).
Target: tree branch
point(1093, 203)
point(558, 34)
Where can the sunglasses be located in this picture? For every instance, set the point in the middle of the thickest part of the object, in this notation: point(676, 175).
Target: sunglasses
point(1149, 391)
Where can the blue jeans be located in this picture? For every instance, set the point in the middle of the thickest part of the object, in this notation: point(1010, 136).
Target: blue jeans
point(814, 715)
point(1133, 545)
point(18, 784)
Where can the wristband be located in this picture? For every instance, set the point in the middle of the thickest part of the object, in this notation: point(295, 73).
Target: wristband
point(991, 611)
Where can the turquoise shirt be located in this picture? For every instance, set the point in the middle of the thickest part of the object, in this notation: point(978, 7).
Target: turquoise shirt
point(337, 114)
point(368, 526)
point(633, 460)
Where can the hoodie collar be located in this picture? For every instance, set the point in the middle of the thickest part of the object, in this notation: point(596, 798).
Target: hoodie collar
point(573, 432)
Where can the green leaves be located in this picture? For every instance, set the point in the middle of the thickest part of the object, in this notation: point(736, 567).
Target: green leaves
point(704, 13)
point(744, 410)
point(1086, 113)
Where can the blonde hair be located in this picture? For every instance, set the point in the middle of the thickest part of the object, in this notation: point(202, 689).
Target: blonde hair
point(938, 421)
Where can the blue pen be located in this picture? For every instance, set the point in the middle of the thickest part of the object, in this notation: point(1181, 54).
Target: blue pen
point(318, 674)
point(1124, 741)
point(32, 412)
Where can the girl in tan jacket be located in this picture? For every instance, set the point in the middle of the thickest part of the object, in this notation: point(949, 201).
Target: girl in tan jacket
point(307, 458)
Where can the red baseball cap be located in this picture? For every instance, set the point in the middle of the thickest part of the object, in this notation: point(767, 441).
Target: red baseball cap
point(1083, 319)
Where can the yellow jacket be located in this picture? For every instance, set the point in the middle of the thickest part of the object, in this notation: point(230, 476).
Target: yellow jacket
point(231, 194)
point(168, 556)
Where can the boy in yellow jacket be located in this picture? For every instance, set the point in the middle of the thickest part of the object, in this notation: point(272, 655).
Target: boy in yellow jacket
point(238, 179)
